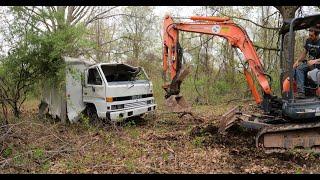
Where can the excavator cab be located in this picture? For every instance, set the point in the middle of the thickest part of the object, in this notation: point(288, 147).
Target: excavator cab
point(293, 108)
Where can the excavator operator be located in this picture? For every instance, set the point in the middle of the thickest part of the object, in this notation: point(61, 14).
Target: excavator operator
point(312, 49)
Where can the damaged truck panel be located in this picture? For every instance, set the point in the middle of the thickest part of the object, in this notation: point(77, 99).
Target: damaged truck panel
point(116, 91)
point(74, 81)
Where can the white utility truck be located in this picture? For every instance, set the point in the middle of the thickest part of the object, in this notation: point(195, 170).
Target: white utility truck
point(111, 91)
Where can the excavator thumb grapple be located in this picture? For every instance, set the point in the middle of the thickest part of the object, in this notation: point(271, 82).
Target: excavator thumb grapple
point(174, 101)
point(177, 104)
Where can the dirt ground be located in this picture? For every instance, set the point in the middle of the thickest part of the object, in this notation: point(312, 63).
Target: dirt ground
point(159, 143)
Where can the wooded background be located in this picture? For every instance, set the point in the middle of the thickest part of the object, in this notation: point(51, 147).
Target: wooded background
point(34, 39)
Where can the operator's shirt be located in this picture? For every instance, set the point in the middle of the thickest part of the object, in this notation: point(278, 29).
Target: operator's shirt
point(313, 48)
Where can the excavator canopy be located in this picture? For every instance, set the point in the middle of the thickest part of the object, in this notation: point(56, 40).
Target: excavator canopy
point(301, 23)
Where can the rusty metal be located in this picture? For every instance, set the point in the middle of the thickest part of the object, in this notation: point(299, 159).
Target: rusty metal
point(281, 138)
point(228, 119)
point(177, 103)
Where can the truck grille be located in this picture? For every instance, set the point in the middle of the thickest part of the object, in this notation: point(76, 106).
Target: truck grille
point(125, 98)
point(135, 104)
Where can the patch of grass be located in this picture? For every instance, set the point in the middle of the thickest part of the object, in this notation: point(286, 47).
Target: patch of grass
point(298, 170)
point(85, 121)
point(46, 166)
point(133, 132)
point(130, 123)
point(198, 141)
point(70, 165)
point(130, 165)
point(123, 146)
point(19, 159)
point(7, 152)
point(165, 156)
point(108, 137)
point(38, 153)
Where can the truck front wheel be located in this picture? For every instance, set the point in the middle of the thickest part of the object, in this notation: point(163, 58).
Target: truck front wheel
point(91, 112)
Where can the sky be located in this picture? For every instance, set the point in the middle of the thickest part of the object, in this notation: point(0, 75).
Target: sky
point(183, 10)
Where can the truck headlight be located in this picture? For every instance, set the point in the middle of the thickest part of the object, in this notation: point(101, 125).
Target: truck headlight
point(109, 99)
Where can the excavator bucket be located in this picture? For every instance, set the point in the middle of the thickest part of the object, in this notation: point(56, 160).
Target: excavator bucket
point(177, 103)
point(228, 119)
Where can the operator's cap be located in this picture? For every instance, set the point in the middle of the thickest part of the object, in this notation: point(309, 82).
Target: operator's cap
point(315, 28)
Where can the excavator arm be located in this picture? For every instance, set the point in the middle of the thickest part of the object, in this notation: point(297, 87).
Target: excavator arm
point(217, 26)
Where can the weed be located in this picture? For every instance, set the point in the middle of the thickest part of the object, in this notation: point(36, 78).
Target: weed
point(165, 156)
point(19, 159)
point(85, 120)
point(38, 153)
point(198, 141)
point(134, 133)
point(69, 165)
point(130, 165)
point(298, 170)
point(7, 152)
point(131, 123)
point(108, 138)
point(45, 167)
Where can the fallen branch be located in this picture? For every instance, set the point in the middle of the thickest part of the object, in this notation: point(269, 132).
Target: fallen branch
point(169, 148)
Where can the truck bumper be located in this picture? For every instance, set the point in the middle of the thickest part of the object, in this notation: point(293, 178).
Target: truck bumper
point(123, 114)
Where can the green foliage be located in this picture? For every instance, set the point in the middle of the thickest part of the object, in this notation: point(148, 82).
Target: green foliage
point(7, 152)
point(198, 141)
point(19, 159)
point(85, 120)
point(130, 165)
point(134, 133)
point(36, 57)
point(38, 153)
point(131, 123)
point(298, 170)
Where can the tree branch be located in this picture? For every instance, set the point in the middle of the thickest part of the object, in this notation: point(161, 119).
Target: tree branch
point(266, 48)
point(234, 17)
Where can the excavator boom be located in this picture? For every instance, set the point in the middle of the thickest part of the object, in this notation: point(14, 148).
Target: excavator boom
point(217, 26)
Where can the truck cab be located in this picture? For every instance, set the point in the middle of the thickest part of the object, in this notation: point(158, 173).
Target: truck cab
point(117, 91)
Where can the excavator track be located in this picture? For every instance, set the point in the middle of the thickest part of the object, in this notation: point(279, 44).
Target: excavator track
point(281, 138)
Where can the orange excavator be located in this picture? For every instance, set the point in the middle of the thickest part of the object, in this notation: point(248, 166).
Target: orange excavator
point(286, 123)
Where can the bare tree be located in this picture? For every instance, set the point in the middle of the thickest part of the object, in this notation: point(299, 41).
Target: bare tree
point(287, 13)
point(55, 17)
point(137, 34)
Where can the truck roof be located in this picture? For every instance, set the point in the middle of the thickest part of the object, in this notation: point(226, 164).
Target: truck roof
point(117, 64)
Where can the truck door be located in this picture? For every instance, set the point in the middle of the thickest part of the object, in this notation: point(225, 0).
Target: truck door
point(94, 91)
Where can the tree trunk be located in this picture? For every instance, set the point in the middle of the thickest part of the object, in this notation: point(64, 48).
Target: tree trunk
point(16, 110)
point(5, 113)
point(287, 12)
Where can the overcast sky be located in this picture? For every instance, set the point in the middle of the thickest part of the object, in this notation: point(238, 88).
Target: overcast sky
point(183, 10)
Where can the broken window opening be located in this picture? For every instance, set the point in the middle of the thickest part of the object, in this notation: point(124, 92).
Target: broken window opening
point(122, 72)
point(94, 77)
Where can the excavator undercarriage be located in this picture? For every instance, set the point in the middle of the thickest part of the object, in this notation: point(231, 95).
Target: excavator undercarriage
point(275, 134)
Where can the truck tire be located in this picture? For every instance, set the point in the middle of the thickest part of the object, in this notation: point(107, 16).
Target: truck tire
point(91, 112)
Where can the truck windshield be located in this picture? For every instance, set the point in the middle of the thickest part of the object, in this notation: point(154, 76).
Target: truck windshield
point(122, 72)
